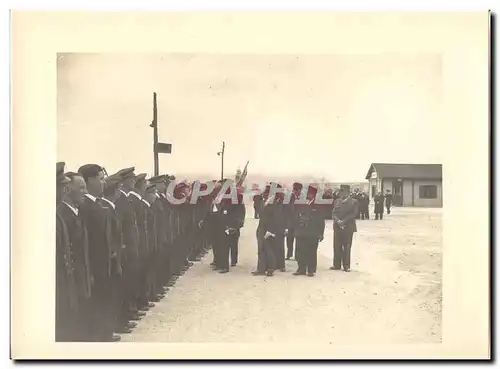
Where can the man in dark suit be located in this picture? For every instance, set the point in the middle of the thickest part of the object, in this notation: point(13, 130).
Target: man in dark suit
point(388, 201)
point(289, 209)
point(379, 206)
point(271, 229)
point(117, 321)
point(66, 289)
point(364, 205)
point(99, 230)
point(130, 256)
point(77, 324)
point(140, 208)
point(344, 217)
point(309, 224)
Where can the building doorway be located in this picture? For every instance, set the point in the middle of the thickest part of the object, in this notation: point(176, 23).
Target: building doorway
point(374, 191)
point(397, 192)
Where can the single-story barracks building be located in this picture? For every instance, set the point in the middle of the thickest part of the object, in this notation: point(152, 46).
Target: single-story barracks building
point(410, 184)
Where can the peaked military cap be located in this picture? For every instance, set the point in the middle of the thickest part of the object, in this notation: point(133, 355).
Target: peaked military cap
point(297, 186)
point(113, 180)
point(158, 179)
point(140, 177)
point(126, 172)
point(150, 188)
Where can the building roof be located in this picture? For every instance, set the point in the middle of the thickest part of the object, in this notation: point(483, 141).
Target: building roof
point(417, 171)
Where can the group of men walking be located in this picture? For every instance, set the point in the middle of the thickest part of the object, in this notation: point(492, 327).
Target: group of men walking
point(304, 224)
point(120, 245)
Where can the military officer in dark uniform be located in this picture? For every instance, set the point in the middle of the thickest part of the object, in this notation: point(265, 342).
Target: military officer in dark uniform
point(364, 205)
point(66, 290)
point(271, 229)
point(99, 229)
point(309, 224)
point(110, 194)
point(289, 208)
point(388, 201)
point(152, 289)
point(140, 209)
point(162, 263)
point(69, 214)
point(130, 256)
point(344, 227)
point(379, 205)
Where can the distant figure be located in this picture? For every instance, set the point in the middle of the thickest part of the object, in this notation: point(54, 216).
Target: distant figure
point(379, 205)
point(357, 196)
point(290, 237)
point(257, 206)
point(388, 201)
point(364, 205)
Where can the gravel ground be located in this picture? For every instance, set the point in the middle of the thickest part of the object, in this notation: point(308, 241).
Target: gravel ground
point(391, 296)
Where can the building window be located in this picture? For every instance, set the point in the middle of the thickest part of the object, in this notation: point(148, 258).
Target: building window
point(428, 192)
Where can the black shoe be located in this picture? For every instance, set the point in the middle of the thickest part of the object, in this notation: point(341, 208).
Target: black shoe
point(212, 263)
point(258, 273)
point(269, 273)
point(299, 273)
point(131, 325)
point(224, 271)
point(125, 330)
point(334, 268)
point(310, 274)
point(287, 258)
point(233, 265)
point(347, 270)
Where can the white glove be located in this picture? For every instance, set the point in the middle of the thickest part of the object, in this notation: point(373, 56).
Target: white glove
point(269, 234)
point(286, 232)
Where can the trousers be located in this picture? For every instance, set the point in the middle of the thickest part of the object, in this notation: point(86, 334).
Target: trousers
point(289, 244)
point(342, 242)
point(266, 259)
point(307, 254)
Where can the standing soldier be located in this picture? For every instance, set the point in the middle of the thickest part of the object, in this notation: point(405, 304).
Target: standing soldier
point(130, 256)
point(110, 195)
point(162, 263)
point(66, 289)
point(309, 224)
point(379, 205)
point(388, 200)
point(152, 288)
point(290, 237)
point(70, 214)
point(140, 208)
point(364, 205)
point(99, 229)
point(271, 228)
point(344, 226)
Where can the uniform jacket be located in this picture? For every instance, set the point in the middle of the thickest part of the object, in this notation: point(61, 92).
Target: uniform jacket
point(388, 199)
point(346, 210)
point(140, 214)
point(309, 220)
point(126, 213)
point(115, 237)
point(379, 203)
point(78, 241)
point(98, 230)
point(66, 290)
point(272, 219)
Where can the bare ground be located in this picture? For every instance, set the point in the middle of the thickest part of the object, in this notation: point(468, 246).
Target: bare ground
point(391, 296)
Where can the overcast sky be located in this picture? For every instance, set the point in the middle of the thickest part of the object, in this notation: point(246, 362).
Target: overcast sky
point(325, 115)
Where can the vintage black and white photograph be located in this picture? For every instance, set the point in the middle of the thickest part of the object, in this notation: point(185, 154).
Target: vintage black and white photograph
point(362, 265)
point(288, 197)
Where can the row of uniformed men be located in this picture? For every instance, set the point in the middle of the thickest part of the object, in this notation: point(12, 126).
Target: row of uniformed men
point(303, 223)
point(119, 244)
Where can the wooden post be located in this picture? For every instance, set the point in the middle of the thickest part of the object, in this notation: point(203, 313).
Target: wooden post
point(154, 124)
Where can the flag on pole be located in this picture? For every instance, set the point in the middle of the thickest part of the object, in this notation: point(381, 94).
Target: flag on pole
point(243, 175)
